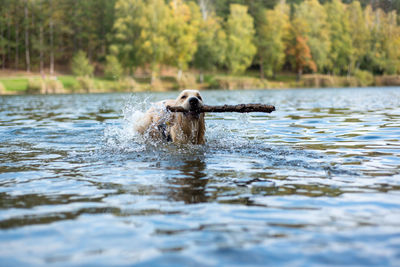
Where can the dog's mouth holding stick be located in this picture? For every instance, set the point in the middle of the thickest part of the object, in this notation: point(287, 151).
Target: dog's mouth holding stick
point(194, 109)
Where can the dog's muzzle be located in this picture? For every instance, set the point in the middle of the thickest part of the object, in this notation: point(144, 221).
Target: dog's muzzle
point(194, 104)
point(194, 107)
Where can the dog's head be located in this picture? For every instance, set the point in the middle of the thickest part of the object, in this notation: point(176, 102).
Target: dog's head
point(190, 100)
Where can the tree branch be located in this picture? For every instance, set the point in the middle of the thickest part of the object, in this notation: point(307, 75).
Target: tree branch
point(242, 108)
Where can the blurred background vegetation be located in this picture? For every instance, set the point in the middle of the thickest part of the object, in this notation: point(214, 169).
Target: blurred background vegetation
point(50, 46)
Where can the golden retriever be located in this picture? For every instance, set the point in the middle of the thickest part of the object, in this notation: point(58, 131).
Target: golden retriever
point(179, 127)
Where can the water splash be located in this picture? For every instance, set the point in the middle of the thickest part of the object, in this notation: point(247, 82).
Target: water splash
point(122, 136)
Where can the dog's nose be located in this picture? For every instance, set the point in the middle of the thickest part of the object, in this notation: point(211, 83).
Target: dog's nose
point(193, 101)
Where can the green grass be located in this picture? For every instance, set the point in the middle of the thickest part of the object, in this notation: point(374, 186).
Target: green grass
point(101, 82)
point(283, 77)
point(15, 84)
point(68, 81)
point(21, 83)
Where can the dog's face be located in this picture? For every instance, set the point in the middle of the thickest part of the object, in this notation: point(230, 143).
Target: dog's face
point(190, 100)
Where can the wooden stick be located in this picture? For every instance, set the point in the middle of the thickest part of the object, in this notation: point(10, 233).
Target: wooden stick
point(242, 108)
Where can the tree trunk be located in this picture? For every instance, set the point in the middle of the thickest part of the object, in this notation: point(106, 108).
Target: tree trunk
point(8, 44)
point(201, 77)
point(179, 77)
point(299, 73)
point(27, 56)
point(153, 77)
point(41, 63)
point(16, 45)
point(51, 24)
point(203, 8)
point(262, 68)
point(3, 52)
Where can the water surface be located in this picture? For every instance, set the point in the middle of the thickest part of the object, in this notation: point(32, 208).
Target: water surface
point(316, 182)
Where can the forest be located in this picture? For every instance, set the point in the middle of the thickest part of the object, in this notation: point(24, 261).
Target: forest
point(118, 38)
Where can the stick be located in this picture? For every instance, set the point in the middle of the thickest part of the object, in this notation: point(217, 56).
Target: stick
point(242, 108)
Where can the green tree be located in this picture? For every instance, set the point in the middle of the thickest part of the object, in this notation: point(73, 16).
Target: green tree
point(272, 31)
point(240, 37)
point(5, 30)
point(390, 43)
point(141, 33)
point(128, 14)
point(113, 69)
point(81, 66)
point(359, 33)
point(184, 23)
point(341, 42)
point(383, 54)
point(211, 44)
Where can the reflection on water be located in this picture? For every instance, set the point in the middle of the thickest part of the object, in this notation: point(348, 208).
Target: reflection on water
point(314, 183)
point(190, 185)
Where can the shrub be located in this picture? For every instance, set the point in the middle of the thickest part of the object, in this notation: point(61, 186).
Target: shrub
point(128, 84)
point(241, 83)
point(187, 81)
point(113, 69)
point(2, 88)
point(157, 85)
point(318, 80)
point(81, 66)
point(44, 86)
point(54, 86)
point(85, 83)
point(364, 78)
point(35, 86)
point(388, 80)
point(345, 81)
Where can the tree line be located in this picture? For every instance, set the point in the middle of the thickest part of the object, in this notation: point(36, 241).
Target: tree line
point(326, 36)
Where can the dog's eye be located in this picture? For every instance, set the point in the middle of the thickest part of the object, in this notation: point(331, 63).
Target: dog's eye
point(183, 97)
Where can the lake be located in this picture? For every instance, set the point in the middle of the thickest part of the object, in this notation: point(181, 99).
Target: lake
point(317, 182)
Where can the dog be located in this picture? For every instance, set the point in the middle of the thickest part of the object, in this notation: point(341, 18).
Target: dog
point(179, 127)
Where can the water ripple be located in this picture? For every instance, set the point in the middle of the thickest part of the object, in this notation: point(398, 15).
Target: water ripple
point(314, 183)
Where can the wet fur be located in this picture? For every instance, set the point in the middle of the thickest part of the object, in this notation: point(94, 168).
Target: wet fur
point(180, 127)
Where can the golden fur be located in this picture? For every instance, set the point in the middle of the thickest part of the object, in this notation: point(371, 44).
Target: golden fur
point(178, 127)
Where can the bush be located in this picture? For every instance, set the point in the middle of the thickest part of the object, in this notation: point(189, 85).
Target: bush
point(157, 85)
point(85, 83)
point(318, 80)
point(2, 88)
point(36, 86)
point(45, 86)
point(364, 78)
point(388, 80)
point(188, 80)
point(54, 86)
point(81, 66)
point(345, 81)
point(240, 83)
point(113, 69)
point(127, 84)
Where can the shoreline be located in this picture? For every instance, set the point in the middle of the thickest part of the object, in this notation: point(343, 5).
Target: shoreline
point(21, 83)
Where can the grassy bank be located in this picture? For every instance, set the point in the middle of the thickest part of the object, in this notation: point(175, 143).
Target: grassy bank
point(20, 83)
